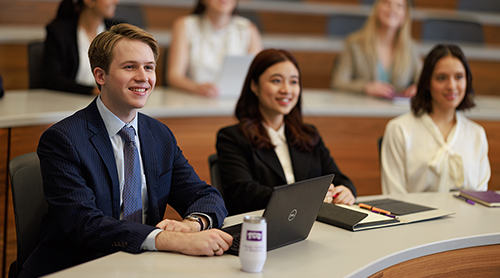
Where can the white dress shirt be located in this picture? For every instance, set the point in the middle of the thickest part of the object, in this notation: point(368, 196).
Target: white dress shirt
point(278, 139)
point(416, 157)
point(113, 126)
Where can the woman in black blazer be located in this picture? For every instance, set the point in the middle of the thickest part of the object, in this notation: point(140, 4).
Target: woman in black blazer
point(61, 58)
point(271, 145)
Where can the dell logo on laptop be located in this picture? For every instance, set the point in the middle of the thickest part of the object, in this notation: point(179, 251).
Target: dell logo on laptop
point(292, 215)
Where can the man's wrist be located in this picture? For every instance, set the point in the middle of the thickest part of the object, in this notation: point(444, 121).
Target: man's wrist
point(196, 219)
point(204, 220)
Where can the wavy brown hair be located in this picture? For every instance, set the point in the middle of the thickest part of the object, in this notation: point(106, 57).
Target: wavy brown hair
point(422, 101)
point(304, 136)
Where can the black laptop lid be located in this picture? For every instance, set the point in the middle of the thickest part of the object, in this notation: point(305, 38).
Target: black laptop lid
point(292, 210)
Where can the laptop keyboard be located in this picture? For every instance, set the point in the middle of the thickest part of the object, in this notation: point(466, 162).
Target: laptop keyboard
point(234, 231)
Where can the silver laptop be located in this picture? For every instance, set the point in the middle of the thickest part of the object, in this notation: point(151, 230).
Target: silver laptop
point(232, 76)
point(290, 213)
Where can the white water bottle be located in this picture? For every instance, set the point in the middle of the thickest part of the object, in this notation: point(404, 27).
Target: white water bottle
point(253, 243)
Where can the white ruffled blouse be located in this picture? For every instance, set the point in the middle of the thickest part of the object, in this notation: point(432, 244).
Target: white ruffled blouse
point(416, 157)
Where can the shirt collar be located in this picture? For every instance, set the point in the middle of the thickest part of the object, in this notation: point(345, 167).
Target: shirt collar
point(111, 121)
point(277, 137)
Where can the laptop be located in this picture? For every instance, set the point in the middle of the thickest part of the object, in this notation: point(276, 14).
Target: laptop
point(232, 76)
point(290, 213)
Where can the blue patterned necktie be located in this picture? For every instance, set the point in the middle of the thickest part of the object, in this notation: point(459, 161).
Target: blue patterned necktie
point(132, 201)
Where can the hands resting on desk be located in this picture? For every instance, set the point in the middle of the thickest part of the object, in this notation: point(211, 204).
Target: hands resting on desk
point(339, 195)
point(185, 237)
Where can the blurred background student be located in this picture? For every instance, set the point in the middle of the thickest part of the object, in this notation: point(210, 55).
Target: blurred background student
point(435, 147)
point(65, 59)
point(380, 59)
point(271, 145)
point(200, 42)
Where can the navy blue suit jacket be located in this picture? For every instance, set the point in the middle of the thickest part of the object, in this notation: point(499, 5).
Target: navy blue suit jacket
point(82, 188)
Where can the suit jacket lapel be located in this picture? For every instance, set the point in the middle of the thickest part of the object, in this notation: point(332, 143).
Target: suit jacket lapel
point(100, 140)
point(149, 162)
point(269, 157)
point(300, 161)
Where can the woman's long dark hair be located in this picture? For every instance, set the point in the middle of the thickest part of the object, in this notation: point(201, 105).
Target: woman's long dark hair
point(305, 137)
point(422, 101)
point(69, 9)
point(200, 8)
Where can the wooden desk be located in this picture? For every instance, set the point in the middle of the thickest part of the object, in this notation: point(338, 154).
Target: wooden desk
point(473, 233)
point(350, 125)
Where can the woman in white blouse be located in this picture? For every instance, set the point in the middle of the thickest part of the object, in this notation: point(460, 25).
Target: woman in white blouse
point(435, 147)
point(271, 145)
point(200, 42)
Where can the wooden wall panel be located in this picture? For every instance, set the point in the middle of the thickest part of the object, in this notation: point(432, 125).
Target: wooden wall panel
point(493, 134)
point(491, 34)
point(316, 68)
point(485, 77)
point(293, 23)
point(27, 12)
point(481, 261)
point(14, 66)
point(432, 4)
point(163, 17)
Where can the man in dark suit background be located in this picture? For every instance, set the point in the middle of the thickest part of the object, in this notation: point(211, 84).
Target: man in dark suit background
point(82, 165)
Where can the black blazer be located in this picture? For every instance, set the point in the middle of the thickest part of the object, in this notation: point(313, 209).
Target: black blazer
point(249, 174)
point(60, 57)
point(81, 186)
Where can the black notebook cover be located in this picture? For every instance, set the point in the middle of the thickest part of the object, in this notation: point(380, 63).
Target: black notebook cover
point(397, 207)
point(349, 219)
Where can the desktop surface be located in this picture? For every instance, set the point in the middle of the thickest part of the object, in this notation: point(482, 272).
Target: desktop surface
point(328, 251)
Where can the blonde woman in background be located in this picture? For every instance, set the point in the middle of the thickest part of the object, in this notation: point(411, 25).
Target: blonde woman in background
point(380, 59)
point(200, 42)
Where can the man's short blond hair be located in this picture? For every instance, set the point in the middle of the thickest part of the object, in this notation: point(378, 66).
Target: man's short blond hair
point(101, 48)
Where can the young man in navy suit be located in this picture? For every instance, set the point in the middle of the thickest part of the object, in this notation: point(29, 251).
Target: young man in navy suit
point(82, 165)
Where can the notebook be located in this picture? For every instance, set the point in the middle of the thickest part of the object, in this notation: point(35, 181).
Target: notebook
point(290, 213)
point(488, 198)
point(354, 218)
point(232, 76)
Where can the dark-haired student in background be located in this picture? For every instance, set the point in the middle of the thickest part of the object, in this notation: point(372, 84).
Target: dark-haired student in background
point(435, 147)
point(200, 42)
point(271, 145)
point(65, 58)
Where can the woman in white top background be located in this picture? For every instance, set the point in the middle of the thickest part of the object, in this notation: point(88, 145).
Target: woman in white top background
point(435, 147)
point(200, 42)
